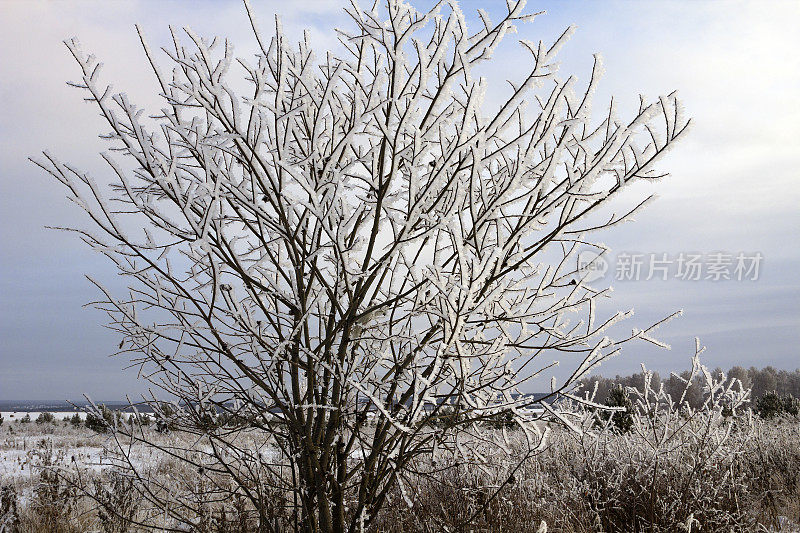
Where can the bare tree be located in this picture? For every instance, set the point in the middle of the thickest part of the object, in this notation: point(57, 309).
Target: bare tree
point(356, 261)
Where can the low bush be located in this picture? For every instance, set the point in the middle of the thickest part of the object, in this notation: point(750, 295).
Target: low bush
point(621, 420)
point(101, 419)
point(663, 467)
point(45, 418)
point(773, 405)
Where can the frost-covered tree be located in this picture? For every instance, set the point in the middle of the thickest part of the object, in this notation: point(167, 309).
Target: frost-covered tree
point(740, 373)
point(355, 247)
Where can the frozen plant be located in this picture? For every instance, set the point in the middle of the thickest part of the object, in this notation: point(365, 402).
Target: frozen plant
point(676, 466)
point(356, 247)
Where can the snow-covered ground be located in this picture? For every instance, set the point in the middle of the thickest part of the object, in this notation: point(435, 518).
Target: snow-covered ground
point(10, 416)
point(25, 446)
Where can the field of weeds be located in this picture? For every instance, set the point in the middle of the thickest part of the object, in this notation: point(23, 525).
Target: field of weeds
point(62, 477)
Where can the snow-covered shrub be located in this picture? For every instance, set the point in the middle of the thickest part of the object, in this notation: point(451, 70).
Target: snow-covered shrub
point(773, 405)
point(771, 467)
point(117, 501)
point(144, 419)
point(54, 499)
point(167, 416)
point(101, 419)
point(45, 418)
point(9, 513)
point(676, 466)
point(622, 419)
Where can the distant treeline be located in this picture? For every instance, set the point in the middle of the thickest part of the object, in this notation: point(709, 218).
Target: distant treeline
point(760, 381)
point(63, 406)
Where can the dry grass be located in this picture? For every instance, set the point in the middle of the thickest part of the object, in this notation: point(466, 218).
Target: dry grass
point(574, 485)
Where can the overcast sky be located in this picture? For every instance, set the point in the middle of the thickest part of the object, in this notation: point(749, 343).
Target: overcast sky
point(734, 184)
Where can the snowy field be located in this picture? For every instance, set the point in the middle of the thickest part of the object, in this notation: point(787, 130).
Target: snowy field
point(11, 416)
point(767, 454)
point(25, 446)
